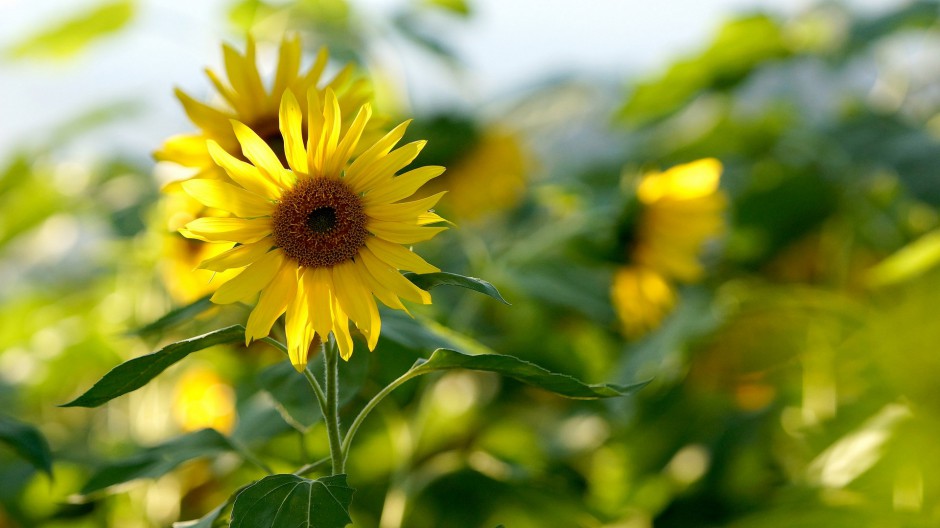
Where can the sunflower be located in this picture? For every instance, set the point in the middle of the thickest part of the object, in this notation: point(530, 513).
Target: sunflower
point(679, 210)
point(322, 238)
point(249, 102)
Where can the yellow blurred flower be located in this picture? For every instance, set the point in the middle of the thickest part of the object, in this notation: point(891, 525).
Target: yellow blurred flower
point(320, 239)
point(679, 210)
point(491, 177)
point(202, 399)
point(249, 102)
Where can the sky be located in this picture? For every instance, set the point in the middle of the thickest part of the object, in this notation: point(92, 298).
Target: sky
point(506, 45)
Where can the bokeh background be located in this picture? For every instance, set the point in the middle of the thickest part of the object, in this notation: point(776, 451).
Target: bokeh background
point(795, 385)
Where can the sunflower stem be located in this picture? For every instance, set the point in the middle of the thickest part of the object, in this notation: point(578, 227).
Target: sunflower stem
point(331, 414)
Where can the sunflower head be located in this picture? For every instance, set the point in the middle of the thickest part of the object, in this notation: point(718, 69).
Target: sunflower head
point(679, 210)
point(322, 237)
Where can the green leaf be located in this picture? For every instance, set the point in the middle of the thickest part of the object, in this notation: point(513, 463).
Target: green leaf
point(176, 316)
point(159, 460)
point(134, 374)
point(458, 7)
point(68, 37)
point(530, 373)
point(27, 441)
point(294, 502)
point(206, 521)
point(427, 281)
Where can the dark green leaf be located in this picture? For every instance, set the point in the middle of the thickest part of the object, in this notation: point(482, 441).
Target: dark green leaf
point(205, 521)
point(27, 441)
point(295, 502)
point(159, 460)
point(68, 37)
point(530, 373)
point(134, 374)
point(427, 281)
point(176, 316)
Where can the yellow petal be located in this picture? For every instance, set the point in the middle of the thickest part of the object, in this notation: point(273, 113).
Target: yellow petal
point(356, 300)
point(341, 331)
point(244, 174)
point(299, 330)
point(255, 149)
point(237, 257)
point(318, 285)
point(291, 123)
point(251, 280)
point(209, 119)
point(403, 211)
point(221, 195)
point(314, 127)
point(188, 150)
point(381, 291)
point(402, 233)
point(392, 280)
point(242, 230)
point(312, 78)
point(398, 257)
point(377, 150)
point(230, 96)
point(351, 140)
point(329, 137)
point(383, 169)
point(403, 186)
point(288, 64)
point(243, 74)
point(273, 302)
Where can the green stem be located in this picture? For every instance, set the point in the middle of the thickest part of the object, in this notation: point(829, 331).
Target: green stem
point(315, 385)
point(311, 467)
point(347, 442)
point(331, 414)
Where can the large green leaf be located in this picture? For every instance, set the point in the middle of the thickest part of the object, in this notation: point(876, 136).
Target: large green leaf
point(176, 316)
point(430, 280)
point(159, 460)
point(68, 37)
point(294, 502)
point(134, 374)
point(530, 373)
point(27, 441)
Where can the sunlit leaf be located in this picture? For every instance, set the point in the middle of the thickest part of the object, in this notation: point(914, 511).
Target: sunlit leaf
point(134, 374)
point(296, 502)
point(530, 373)
point(159, 460)
point(68, 37)
point(27, 441)
point(460, 7)
point(427, 281)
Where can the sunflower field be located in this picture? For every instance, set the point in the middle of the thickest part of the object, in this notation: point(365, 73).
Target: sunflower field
point(469, 264)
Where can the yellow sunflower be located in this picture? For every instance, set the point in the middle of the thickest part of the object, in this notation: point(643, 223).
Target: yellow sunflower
point(321, 238)
point(249, 102)
point(680, 210)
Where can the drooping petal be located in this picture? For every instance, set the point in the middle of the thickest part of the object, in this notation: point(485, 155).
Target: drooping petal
point(356, 300)
point(221, 195)
point(299, 330)
point(291, 123)
point(381, 291)
point(237, 257)
point(273, 302)
point(318, 287)
point(242, 230)
point(398, 257)
point(341, 331)
point(251, 280)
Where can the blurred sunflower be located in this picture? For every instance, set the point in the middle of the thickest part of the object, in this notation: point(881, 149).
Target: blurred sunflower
point(249, 102)
point(202, 399)
point(320, 239)
point(679, 210)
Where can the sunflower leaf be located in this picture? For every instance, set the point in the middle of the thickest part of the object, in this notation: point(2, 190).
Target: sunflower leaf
point(28, 443)
point(427, 281)
point(529, 373)
point(134, 374)
point(290, 500)
point(156, 461)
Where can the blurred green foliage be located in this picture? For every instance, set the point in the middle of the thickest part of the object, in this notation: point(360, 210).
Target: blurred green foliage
point(794, 387)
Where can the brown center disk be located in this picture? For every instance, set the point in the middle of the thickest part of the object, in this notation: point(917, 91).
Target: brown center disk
point(320, 222)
